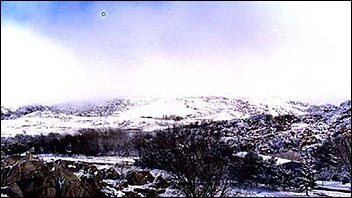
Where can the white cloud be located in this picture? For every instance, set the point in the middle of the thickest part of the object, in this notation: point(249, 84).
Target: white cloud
point(35, 70)
point(293, 50)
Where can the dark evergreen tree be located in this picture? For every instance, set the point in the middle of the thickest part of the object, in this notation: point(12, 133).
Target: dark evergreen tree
point(271, 173)
point(252, 170)
point(304, 179)
point(324, 156)
point(285, 178)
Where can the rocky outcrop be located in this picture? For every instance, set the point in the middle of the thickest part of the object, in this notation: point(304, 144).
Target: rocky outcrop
point(12, 190)
point(35, 178)
point(28, 176)
point(7, 114)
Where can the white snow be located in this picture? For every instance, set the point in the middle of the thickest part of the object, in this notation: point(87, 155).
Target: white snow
point(156, 172)
point(334, 185)
point(323, 193)
point(112, 182)
point(112, 192)
point(265, 157)
point(263, 192)
point(89, 159)
point(299, 125)
point(148, 114)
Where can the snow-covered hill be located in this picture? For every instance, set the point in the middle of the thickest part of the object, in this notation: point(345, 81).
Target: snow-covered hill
point(148, 113)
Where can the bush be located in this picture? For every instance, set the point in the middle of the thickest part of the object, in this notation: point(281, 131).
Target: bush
point(99, 141)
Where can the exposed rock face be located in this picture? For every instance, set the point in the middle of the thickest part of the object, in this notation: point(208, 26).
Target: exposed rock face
point(139, 177)
point(7, 114)
point(28, 176)
point(22, 170)
point(33, 177)
point(13, 190)
point(11, 160)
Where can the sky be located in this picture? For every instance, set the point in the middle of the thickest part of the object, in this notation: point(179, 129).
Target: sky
point(54, 52)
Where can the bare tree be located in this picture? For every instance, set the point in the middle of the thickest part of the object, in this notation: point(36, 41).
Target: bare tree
point(196, 158)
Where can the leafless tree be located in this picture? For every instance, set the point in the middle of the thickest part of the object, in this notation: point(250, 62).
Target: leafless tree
point(196, 158)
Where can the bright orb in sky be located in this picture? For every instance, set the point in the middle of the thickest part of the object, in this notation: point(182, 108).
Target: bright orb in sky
point(103, 13)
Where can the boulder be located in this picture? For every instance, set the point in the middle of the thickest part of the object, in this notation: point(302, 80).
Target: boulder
point(139, 177)
point(13, 190)
point(111, 174)
point(59, 182)
point(23, 171)
point(130, 194)
point(34, 178)
point(32, 165)
point(147, 192)
point(122, 185)
point(11, 160)
point(161, 182)
point(91, 172)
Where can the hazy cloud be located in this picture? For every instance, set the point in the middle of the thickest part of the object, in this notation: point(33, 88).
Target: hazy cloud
point(58, 51)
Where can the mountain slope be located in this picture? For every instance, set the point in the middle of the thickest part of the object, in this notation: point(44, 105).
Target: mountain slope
point(154, 113)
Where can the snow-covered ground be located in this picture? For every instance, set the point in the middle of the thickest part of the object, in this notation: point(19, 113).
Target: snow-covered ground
point(263, 192)
point(334, 185)
point(108, 161)
point(89, 159)
point(143, 113)
point(265, 157)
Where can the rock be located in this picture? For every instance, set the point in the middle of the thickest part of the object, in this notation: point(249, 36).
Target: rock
point(6, 178)
point(122, 185)
point(30, 155)
point(22, 171)
point(32, 165)
point(148, 192)
point(130, 194)
point(59, 182)
point(91, 172)
point(161, 182)
point(51, 192)
point(13, 190)
point(11, 160)
point(34, 178)
point(139, 177)
point(48, 192)
point(111, 192)
point(111, 174)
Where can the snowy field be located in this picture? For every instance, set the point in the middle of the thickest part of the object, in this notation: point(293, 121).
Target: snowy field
point(108, 161)
point(89, 159)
